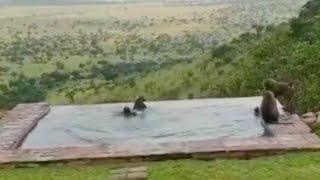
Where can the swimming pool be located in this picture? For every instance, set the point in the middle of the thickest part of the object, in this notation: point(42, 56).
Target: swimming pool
point(163, 121)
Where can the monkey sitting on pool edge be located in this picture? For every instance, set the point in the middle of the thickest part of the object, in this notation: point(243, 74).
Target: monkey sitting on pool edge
point(283, 91)
point(139, 104)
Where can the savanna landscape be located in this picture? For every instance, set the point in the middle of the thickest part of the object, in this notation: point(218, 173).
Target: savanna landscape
point(101, 53)
point(108, 53)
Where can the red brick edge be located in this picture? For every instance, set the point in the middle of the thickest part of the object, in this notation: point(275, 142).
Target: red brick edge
point(205, 150)
point(19, 122)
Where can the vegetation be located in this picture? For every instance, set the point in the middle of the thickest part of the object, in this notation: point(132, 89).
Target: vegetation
point(291, 166)
point(21, 89)
point(85, 54)
point(289, 51)
point(285, 54)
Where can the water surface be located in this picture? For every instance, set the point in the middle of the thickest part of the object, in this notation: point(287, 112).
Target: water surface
point(163, 121)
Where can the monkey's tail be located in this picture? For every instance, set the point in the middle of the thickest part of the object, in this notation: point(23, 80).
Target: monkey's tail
point(267, 131)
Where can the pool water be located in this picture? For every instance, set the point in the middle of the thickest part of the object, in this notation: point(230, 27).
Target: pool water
point(163, 121)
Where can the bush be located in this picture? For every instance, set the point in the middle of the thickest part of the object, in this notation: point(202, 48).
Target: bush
point(21, 90)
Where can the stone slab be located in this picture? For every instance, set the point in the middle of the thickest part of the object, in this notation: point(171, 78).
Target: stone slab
point(296, 127)
point(129, 170)
point(129, 173)
point(287, 142)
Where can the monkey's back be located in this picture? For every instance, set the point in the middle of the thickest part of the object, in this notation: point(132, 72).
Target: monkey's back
point(278, 88)
point(269, 110)
point(139, 106)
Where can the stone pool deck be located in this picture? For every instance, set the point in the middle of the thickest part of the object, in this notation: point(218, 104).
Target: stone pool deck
point(20, 121)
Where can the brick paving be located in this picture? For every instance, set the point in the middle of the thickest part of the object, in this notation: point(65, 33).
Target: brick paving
point(16, 125)
point(297, 127)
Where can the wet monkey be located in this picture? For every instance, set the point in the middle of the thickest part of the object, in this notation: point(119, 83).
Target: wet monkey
point(127, 112)
point(139, 104)
point(268, 109)
point(256, 111)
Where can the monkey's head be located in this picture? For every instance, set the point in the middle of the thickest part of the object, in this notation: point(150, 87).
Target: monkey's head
point(268, 94)
point(140, 99)
point(267, 83)
point(139, 104)
point(291, 84)
point(256, 110)
point(126, 110)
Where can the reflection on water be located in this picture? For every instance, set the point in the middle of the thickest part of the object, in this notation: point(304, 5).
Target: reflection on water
point(163, 121)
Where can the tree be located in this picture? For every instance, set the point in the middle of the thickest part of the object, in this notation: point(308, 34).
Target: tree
point(70, 95)
point(258, 29)
point(21, 90)
point(59, 65)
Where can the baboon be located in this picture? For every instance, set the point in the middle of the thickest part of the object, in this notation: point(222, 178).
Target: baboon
point(269, 112)
point(139, 104)
point(267, 131)
point(268, 108)
point(127, 112)
point(283, 91)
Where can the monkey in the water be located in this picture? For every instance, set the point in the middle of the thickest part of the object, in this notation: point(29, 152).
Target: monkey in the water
point(283, 91)
point(127, 112)
point(256, 111)
point(267, 130)
point(139, 104)
point(268, 108)
point(269, 112)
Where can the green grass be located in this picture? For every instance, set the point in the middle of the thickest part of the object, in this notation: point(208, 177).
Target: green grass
point(56, 173)
point(292, 166)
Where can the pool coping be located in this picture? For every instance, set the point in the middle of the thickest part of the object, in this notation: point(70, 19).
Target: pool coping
point(21, 120)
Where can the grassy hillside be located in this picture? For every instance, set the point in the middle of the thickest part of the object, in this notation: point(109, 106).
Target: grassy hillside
point(289, 51)
point(291, 54)
point(93, 54)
